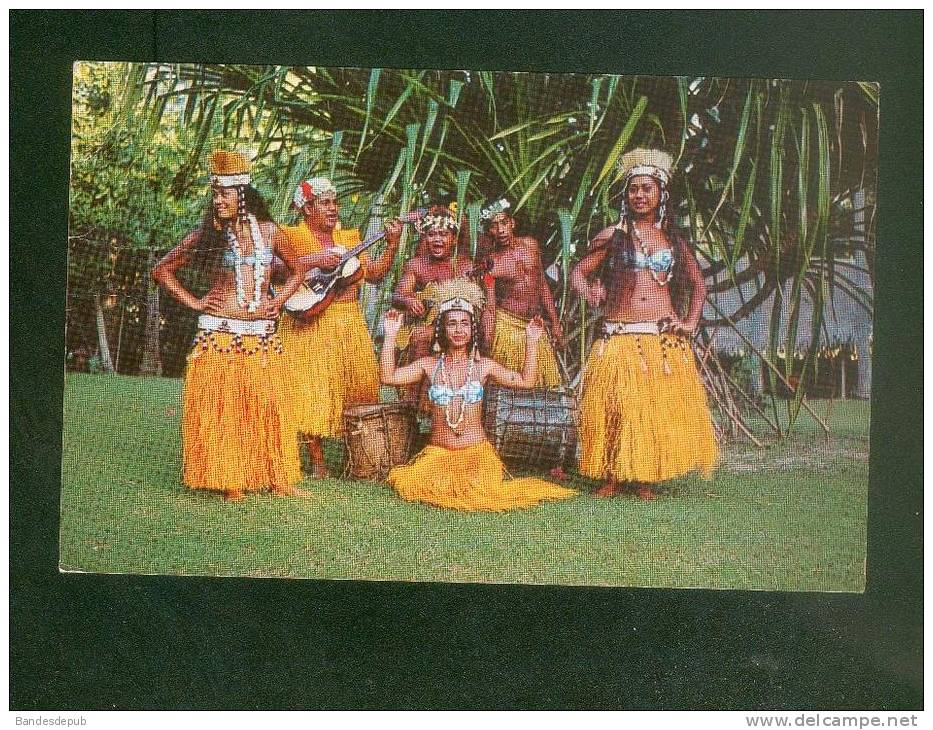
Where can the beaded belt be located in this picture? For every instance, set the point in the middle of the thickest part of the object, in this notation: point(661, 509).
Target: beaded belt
point(668, 342)
point(630, 328)
point(256, 327)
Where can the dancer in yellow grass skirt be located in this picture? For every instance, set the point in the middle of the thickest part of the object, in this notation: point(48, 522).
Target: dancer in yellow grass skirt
point(237, 431)
point(459, 469)
point(332, 361)
point(644, 416)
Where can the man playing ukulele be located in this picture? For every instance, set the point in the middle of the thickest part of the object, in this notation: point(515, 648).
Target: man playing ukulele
point(333, 360)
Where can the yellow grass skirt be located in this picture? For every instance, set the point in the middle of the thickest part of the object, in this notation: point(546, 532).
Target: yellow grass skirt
point(469, 479)
point(330, 364)
point(236, 428)
point(508, 349)
point(643, 411)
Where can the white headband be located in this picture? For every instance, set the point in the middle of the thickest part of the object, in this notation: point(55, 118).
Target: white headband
point(655, 172)
point(230, 181)
point(442, 222)
point(308, 190)
point(500, 206)
point(457, 303)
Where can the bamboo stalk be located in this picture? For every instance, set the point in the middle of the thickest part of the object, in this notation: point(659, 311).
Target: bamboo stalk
point(772, 367)
point(730, 412)
point(753, 404)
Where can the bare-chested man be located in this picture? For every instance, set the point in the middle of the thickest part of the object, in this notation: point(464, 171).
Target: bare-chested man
point(416, 291)
point(522, 294)
point(643, 412)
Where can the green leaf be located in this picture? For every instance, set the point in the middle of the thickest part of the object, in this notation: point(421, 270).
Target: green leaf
point(623, 139)
point(370, 100)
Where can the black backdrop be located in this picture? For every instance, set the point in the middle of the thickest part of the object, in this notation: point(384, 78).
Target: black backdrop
point(98, 642)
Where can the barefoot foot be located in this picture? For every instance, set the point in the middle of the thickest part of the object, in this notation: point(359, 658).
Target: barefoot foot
point(646, 493)
point(609, 489)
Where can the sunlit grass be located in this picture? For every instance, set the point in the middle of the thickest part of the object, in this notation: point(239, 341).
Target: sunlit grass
point(790, 517)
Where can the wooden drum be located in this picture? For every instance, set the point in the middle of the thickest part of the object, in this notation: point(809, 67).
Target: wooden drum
point(531, 429)
point(378, 437)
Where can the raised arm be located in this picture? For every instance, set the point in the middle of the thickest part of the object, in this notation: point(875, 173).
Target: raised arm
point(389, 373)
point(375, 271)
point(528, 376)
point(164, 273)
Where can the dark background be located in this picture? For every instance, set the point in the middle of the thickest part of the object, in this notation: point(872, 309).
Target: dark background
point(139, 642)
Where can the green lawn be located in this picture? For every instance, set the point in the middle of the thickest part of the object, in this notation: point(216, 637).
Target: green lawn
point(790, 517)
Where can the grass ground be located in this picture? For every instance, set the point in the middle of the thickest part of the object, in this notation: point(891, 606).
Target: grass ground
point(790, 517)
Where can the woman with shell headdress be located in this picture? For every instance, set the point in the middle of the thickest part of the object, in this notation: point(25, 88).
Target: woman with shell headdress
point(644, 416)
point(459, 469)
point(237, 431)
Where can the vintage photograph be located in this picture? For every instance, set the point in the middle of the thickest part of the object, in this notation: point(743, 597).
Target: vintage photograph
point(469, 326)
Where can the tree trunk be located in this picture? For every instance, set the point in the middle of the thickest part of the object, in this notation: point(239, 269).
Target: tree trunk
point(105, 362)
point(152, 360)
point(116, 364)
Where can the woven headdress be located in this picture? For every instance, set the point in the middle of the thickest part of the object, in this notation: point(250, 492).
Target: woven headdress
point(308, 190)
point(439, 218)
point(229, 169)
point(459, 294)
point(500, 206)
point(656, 163)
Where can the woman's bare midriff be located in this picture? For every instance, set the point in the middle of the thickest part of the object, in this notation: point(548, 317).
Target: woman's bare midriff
point(471, 428)
point(644, 301)
point(225, 285)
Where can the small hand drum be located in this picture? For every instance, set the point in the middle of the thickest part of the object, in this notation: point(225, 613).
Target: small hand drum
point(531, 429)
point(378, 437)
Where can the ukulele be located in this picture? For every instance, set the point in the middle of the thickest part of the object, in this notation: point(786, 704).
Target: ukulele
point(321, 287)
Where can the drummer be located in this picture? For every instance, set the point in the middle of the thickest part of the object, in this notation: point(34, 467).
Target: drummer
point(459, 469)
point(435, 262)
point(333, 364)
point(521, 293)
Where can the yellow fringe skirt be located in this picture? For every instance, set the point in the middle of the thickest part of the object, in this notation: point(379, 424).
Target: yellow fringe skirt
point(331, 364)
point(469, 479)
point(236, 427)
point(643, 411)
point(508, 349)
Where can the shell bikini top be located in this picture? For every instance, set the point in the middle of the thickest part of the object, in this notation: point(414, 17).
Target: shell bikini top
point(442, 395)
point(230, 258)
point(660, 261)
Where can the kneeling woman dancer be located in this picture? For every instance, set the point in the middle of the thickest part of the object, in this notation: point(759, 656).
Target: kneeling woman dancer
point(459, 469)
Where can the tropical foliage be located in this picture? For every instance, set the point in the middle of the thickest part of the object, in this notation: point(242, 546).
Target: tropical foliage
point(775, 182)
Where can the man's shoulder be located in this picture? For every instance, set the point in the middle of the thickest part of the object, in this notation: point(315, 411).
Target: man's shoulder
point(297, 233)
point(346, 237)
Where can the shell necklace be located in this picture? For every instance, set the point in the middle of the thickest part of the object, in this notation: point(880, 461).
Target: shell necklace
point(644, 251)
point(452, 422)
point(260, 252)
